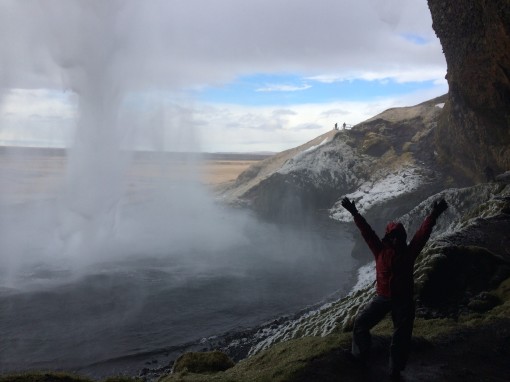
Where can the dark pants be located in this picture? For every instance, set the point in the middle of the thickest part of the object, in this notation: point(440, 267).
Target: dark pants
point(402, 314)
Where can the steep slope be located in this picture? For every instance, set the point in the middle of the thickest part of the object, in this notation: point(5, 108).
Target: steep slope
point(386, 163)
point(235, 192)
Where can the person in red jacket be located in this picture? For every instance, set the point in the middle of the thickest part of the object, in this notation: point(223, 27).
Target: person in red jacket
point(394, 265)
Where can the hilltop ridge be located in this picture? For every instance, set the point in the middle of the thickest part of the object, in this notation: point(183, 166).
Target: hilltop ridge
point(393, 148)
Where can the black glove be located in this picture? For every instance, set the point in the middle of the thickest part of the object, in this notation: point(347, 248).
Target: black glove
point(349, 206)
point(438, 207)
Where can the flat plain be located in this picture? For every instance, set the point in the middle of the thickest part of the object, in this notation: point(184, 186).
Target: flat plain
point(28, 174)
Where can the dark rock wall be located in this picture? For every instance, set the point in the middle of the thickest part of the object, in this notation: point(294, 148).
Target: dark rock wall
point(474, 131)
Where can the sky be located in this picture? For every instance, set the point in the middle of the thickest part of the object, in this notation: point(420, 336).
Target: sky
point(208, 75)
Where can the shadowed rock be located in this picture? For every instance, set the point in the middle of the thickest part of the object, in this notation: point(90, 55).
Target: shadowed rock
point(474, 130)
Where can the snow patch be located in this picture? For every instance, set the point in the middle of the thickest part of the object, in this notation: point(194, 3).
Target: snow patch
point(366, 277)
point(301, 158)
point(460, 201)
point(311, 148)
point(440, 105)
point(331, 161)
point(372, 193)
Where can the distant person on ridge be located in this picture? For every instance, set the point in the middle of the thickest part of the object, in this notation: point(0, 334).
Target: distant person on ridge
point(394, 263)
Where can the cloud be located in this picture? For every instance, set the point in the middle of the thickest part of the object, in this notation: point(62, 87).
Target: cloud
point(334, 112)
point(282, 112)
point(180, 124)
point(42, 102)
point(400, 75)
point(105, 51)
point(309, 126)
point(283, 88)
point(232, 127)
point(191, 43)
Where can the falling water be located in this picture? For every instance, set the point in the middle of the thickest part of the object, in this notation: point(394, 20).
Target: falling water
point(109, 264)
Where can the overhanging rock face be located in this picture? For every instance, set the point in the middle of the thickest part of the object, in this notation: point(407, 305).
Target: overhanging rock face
point(474, 132)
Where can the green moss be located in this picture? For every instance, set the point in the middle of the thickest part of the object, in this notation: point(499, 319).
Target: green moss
point(500, 311)
point(433, 329)
point(407, 146)
point(280, 363)
point(203, 362)
point(428, 329)
point(448, 275)
point(375, 144)
point(483, 302)
point(492, 206)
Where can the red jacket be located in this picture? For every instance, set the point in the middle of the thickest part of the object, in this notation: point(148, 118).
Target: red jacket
point(395, 265)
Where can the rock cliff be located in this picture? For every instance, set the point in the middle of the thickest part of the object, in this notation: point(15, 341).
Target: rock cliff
point(473, 133)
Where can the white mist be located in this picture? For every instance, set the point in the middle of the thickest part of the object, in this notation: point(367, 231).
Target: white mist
point(124, 254)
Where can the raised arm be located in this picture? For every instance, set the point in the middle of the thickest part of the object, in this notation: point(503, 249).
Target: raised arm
point(371, 238)
point(421, 236)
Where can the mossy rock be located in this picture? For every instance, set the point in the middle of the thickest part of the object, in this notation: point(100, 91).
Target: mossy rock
point(203, 362)
point(483, 302)
point(375, 144)
point(460, 272)
point(408, 146)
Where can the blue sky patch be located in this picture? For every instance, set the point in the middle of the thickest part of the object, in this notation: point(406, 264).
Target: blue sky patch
point(273, 89)
point(415, 39)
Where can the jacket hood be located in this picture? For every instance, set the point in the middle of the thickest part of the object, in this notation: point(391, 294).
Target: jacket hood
point(395, 226)
point(397, 229)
